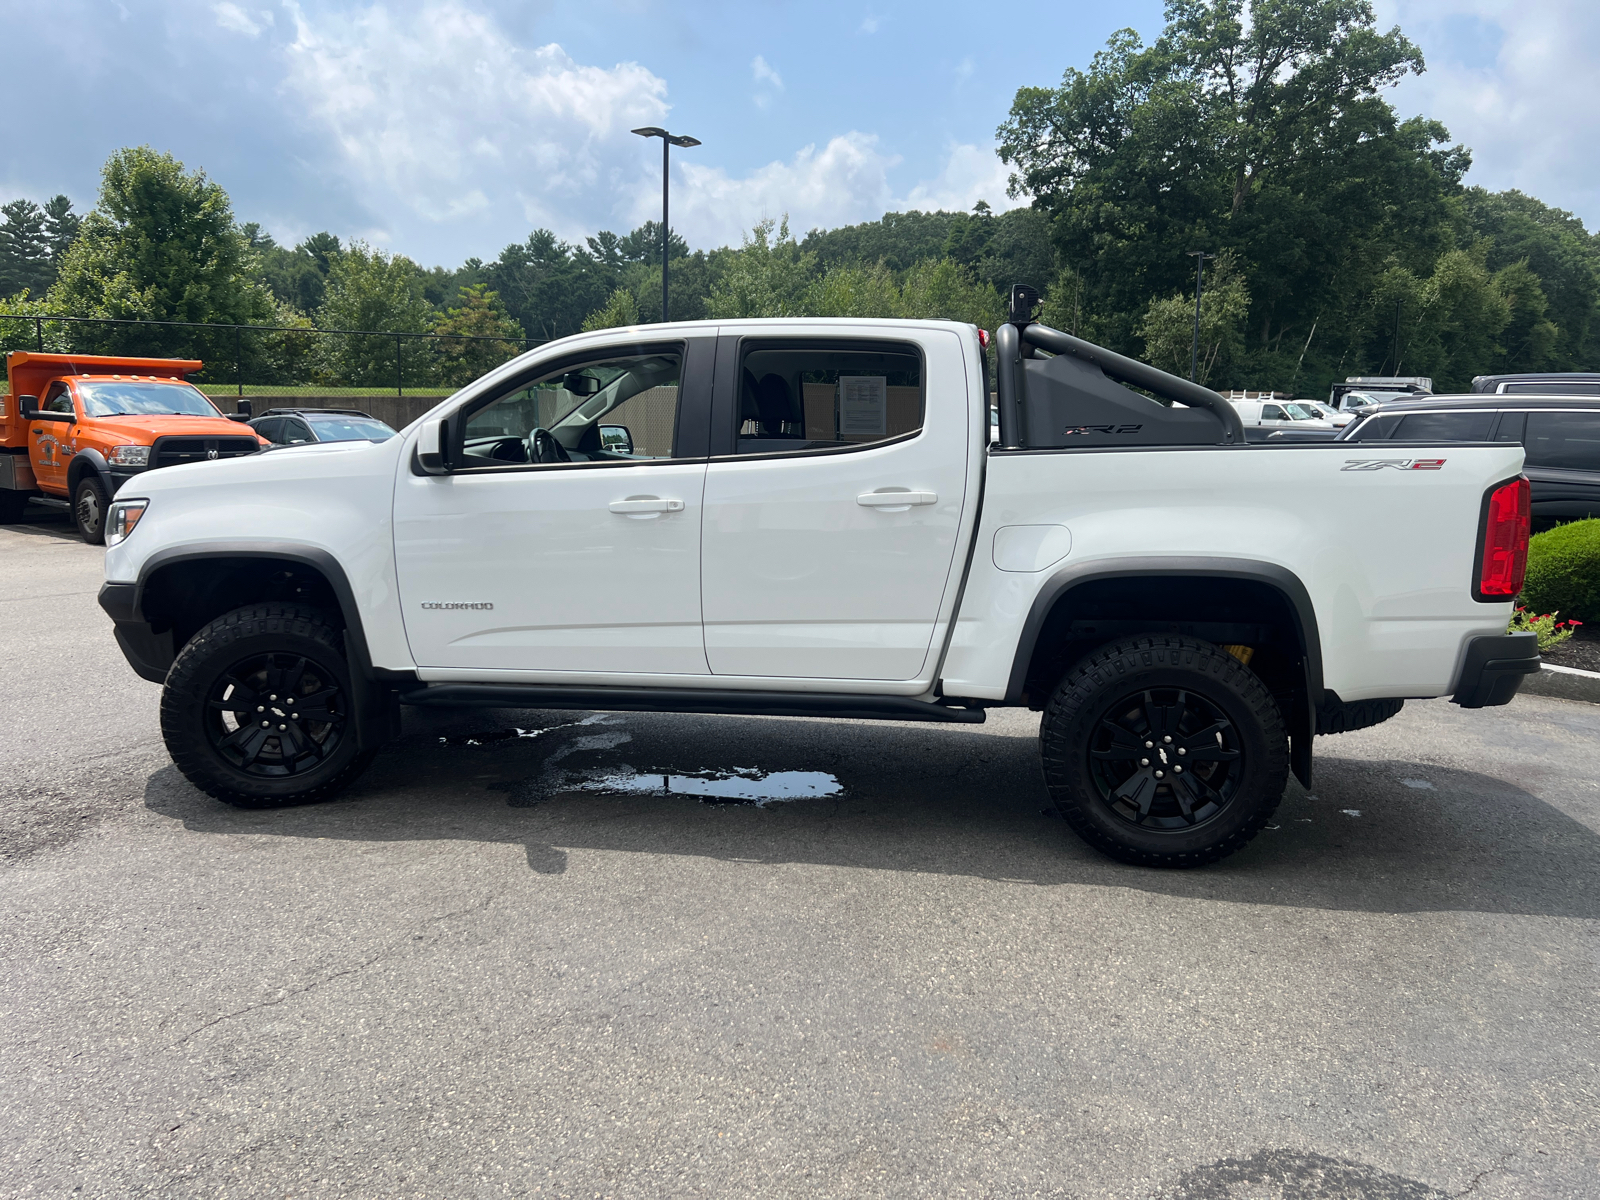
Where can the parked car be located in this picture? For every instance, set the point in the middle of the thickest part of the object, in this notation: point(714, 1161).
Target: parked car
point(1332, 416)
point(815, 523)
point(1362, 391)
point(1555, 383)
point(1560, 433)
point(77, 427)
point(294, 426)
point(1263, 418)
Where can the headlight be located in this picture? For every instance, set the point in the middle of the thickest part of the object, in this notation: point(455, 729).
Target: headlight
point(124, 515)
point(129, 456)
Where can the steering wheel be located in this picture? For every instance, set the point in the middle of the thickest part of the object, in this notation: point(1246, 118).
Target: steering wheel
point(545, 447)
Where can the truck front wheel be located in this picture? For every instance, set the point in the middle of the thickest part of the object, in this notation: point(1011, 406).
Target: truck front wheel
point(89, 504)
point(256, 709)
point(1164, 751)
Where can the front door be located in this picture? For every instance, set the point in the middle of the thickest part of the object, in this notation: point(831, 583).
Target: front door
point(832, 520)
point(543, 550)
point(50, 443)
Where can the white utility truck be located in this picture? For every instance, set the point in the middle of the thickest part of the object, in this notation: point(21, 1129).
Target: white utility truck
point(808, 518)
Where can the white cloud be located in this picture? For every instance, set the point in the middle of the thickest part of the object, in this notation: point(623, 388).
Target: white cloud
point(231, 17)
point(844, 182)
point(869, 24)
point(971, 173)
point(765, 74)
point(1527, 109)
point(439, 107)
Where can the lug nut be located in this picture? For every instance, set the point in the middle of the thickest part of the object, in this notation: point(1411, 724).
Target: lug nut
point(1168, 738)
point(271, 697)
point(1148, 745)
point(282, 727)
point(266, 724)
point(1181, 750)
point(261, 708)
point(1144, 762)
point(1177, 770)
point(290, 700)
point(1160, 774)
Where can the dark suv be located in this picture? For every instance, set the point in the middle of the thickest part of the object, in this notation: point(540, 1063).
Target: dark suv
point(1555, 383)
point(1560, 433)
point(294, 426)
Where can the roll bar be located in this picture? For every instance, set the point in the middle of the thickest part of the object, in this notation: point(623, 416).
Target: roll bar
point(1011, 338)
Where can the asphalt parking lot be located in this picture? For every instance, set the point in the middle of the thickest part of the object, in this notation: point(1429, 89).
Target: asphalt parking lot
point(526, 956)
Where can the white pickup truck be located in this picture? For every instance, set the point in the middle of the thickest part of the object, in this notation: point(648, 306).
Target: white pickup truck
point(807, 517)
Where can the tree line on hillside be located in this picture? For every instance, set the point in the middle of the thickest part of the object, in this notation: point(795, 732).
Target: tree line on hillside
point(1344, 240)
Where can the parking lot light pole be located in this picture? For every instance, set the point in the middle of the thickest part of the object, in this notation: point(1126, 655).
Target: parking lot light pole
point(1199, 257)
point(668, 140)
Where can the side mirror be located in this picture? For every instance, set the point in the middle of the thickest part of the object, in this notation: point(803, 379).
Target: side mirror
point(616, 438)
point(431, 444)
point(245, 409)
point(28, 406)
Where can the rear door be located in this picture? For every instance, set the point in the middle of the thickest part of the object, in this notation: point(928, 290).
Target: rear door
point(834, 502)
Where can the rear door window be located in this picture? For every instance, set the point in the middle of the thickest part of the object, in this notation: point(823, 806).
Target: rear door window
point(1373, 429)
point(1511, 425)
point(1564, 440)
point(1445, 427)
point(809, 396)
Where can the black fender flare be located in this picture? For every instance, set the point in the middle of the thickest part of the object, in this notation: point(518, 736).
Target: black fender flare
point(1302, 725)
point(82, 463)
point(375, 715)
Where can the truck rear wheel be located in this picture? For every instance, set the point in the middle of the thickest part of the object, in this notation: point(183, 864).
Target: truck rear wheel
point(256, 709)
point(1164, 751)
point(89, 504)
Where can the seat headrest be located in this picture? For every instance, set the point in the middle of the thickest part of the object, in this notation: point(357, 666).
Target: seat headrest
point(775, 404)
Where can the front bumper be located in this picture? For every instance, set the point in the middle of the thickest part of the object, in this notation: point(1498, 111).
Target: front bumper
point(149, 653)
point(1494, 667)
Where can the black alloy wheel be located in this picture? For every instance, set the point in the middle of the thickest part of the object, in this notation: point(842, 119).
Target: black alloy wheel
point(257, 708)
point(274, 715)
point(1166, 758)
point(1164, 751)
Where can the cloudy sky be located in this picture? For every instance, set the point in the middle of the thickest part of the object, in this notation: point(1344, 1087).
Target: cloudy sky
point(447, 128)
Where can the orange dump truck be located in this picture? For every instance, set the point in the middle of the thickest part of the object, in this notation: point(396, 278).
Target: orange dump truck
point(76, 427)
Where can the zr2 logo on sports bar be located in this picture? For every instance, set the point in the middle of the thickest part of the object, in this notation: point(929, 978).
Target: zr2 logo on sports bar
point(1399, 464)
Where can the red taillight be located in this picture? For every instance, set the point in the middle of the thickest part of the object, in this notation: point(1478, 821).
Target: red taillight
point(1503, 558)
point(983, 338)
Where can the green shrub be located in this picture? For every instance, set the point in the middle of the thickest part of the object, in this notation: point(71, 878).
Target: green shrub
point(1564, 571)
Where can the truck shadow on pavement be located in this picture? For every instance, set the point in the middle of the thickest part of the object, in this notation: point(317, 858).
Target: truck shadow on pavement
point(1376, 835)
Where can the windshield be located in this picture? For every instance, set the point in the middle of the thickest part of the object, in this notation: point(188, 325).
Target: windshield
point(349, 429)
point(130, 398)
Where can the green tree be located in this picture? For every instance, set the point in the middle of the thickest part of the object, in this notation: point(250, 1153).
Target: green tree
point(297, 277)
point(478, 314)
point(766, 277)
point(1168, 325)
point(160, 245)
point(622, 309)
point(24, 249)
point(61, 227)
point(369, 289)
point(1258, 128)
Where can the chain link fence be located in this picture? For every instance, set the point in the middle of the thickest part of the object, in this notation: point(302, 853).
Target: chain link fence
point(395, 376)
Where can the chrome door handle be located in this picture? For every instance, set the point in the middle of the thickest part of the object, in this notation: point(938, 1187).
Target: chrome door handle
point(645, 504)
point(896, 499)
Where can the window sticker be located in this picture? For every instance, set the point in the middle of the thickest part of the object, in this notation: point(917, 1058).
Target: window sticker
point(863, 405)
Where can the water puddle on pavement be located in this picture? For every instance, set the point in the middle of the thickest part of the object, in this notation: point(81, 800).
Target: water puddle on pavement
point(741, 785)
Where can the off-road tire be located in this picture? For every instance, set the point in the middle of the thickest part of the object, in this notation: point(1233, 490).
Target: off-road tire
point(1349, 716)
point(90, 497)
point(12, 505)
point(281, 634)
point(1090, 708)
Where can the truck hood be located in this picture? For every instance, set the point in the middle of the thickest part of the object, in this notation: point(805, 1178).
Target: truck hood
point(144, 430)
